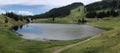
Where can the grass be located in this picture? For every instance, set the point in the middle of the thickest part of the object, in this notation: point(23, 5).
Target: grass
point(107, 42)
point(12, 43)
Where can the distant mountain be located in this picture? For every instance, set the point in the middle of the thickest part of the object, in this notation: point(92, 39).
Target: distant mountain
point(60, 12)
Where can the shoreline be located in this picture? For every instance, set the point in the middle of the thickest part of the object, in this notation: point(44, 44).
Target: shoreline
point(56, 40)
point(89, 38)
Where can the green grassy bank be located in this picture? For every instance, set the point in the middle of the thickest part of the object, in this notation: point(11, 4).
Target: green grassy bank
point(107, 42)
point(12, 43)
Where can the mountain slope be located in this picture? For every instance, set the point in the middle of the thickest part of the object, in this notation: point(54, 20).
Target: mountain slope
point(76, 11)
point(103, 9)
point(75, 14)
point(60, 12)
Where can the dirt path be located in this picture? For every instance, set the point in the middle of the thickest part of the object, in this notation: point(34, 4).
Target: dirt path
point(70, 46)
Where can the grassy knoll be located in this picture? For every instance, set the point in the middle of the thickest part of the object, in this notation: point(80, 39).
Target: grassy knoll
point(107, 42)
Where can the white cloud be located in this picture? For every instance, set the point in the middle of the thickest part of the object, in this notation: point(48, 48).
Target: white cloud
point(25, 13)
point(18, 12)
point(44, 2)
point(2, 11)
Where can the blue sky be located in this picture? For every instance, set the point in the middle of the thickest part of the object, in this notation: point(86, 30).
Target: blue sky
point(31, 7)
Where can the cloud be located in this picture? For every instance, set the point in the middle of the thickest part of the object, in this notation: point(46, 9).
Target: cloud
point(17, 12)
point(44, 2)
point(2, 11)
point(25, 13)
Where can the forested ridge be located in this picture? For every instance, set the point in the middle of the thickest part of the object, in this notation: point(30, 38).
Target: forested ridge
point(59, 12)
point(101, 9)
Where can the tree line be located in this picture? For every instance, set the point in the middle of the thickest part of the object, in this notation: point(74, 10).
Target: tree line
point(101, 9)
point(102, 14)
point(16, 17)
point(110, 4)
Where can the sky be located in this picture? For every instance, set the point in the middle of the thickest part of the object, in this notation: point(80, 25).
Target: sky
point(32, 7)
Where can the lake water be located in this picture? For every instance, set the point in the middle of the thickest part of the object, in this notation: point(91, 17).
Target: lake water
point(41, 31)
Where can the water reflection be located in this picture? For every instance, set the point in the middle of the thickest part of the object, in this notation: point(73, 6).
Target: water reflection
point(56, 31)
point(15, 28)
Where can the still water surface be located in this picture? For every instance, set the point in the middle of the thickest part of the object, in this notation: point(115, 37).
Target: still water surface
point(40, 31)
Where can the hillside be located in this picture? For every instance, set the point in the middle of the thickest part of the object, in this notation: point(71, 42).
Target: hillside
point(103, 5)
point(59, 12)
point(107, 42)
point(6, 22)
point(76, 11)
point(103, 9)
point(73, 17)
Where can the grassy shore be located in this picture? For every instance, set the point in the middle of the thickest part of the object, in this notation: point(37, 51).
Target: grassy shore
point(12, 43)
point(107, 42)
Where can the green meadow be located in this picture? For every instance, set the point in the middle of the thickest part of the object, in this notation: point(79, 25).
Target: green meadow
point(107, 42)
